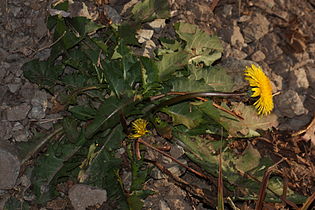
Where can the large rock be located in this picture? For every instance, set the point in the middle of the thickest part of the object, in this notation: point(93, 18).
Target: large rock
point(39, 105)
point(5, 129)
point(9, 165)
point(233, 36)
point(256, 28)
point(269, 46)
point(290, 104)
point(258, 56)
point(298, 79)
point(19, 132)
point(82, 196)
point(18, 112)
point(237, 38)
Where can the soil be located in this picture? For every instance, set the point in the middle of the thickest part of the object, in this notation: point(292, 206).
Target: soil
point(279, 35)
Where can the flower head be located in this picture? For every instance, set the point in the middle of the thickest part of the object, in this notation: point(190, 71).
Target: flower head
point(261, 88)
point(139, 127)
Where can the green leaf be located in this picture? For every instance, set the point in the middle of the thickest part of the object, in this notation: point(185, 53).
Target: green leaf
point(31, 147)
point(252, 121)
point(209, 109)
point(65, 39)
point(49, 165)
point(170, 44)
point(207, 58)
point(107, 115)
point(202, 47)
point(83, 26)
point(135, 199)
point(150, 71)
point(140, 173)
point(74, 81)
point(188, 85)
point(127, 32)
point(197, 40)
point(77, 59)
point(123, 71)
point(42, 73)
point(171, 63)
point(150, 9)
point(93, 55)
point(216, 78)
point(104, 170)
point(12, 204)
point(183, 114)
point(83, 112)
point(249, 160)
point(70, 128)
point(130, 75)
point(122, 51)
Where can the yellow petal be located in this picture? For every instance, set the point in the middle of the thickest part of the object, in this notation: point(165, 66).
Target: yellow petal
point(261, 87)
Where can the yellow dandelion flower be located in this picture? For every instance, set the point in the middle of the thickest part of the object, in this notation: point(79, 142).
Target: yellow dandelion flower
point(261, 88)
point(139, 127)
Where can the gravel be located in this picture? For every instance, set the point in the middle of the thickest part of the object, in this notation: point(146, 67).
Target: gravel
point(18, 112)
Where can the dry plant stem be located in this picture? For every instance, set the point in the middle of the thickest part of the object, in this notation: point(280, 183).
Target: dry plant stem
point(194, 190)
point(85, 89)
point(308, 202)
point(288, 202)
point(283, 197)
point(229, 200)
point(213, 4)
point(220, 184)
point(275, 94)
point(174, 159)
point(137, 149)
point(247, 175)
point(153, 98)
point(285, 186)
point(199, 98)
point(227, 111)
point(43, 121)
point(52, 44)
point(307, 128)
point(264, 186)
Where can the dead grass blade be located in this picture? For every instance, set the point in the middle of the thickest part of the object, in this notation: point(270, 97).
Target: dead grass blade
point(312, 124)
point(220, 185)
point(192, 189)
point(213, 4)
point(228, 111)
point(264, 186)
point(174, 159)
point(137, 150)
point(308, 202)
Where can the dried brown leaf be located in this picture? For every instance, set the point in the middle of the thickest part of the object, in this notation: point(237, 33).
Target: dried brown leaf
point(310, 132)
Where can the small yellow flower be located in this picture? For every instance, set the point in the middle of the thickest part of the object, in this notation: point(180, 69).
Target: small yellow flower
point(139, 127)
point(261, 88)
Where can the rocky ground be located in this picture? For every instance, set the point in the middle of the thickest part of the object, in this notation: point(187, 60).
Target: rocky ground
point(276, 34)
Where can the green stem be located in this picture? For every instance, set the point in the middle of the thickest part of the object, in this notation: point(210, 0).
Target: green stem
point(188, 96)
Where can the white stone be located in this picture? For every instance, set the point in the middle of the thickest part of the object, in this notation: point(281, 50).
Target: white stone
point(157, 25)
point(299, 79)
point(144, 35)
